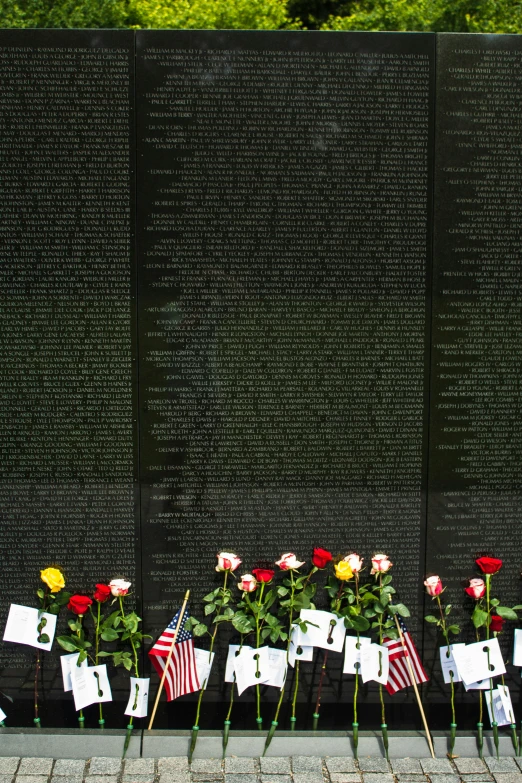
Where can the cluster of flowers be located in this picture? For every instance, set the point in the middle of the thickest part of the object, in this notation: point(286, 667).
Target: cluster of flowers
point(79, 604)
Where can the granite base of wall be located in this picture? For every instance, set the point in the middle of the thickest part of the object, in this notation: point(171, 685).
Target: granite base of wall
point(72, 743)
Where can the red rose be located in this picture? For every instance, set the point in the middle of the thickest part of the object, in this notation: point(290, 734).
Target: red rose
point(101, 593)
point(263, 574)
point(489, 565)
point(496, 622)
point(79, 603)
point(321, 557)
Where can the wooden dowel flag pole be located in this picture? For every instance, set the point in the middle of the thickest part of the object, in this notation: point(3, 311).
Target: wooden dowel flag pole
point(414, 683)
point(169, 656)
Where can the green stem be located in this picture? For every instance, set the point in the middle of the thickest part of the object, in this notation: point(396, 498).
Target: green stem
point(296, 687)
point(291, 617)
point(448, 653)
point(258, 642)
point(134, 651)
point(96, 622)
point(494, 724)
point(381, 695)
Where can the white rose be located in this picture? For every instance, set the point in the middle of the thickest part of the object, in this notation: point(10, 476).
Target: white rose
point(380, 564)
point(289, 562)
point(119, 587)
point(227, 561)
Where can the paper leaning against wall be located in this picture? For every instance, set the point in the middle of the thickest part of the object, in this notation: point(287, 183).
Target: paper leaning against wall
point(248, 664)
point(517, 647)
point(3, 716)
point(233, 652)
point(374, 663)
point(204, 661)
point(139, 697)
point(90, 685)
point(277, 667)
point(67, 662)
point(318, 630)
point(352, 654)
point(448, 664)
point(298, 651)
point(474, 663)
point(502, 708)
point(22, 627)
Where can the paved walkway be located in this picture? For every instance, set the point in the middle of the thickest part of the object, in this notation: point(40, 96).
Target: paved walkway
point(298, 769)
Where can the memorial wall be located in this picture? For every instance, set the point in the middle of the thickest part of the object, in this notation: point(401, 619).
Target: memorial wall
point(318, 344)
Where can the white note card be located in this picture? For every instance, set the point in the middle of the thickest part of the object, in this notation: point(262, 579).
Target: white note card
point(233, 651)
point(473, 663)
point(277, 667)
point(139, 697)
point(500, 716)
point(3, 716)
point(374, 663)
point(517, 648)
point(481, 685)
point(248, 664)
point(448, 664)
point(67, 662)
point(352, 653)
point(90, 685)
point(298, 651)
point(22, 627)
point(204, 661)
point(324, 630)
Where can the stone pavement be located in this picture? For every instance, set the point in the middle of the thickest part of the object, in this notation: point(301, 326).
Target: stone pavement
point(296, 769)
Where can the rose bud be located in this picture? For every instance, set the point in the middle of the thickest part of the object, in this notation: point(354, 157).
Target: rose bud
point(119, 587)
point(53, 578)
point(289, 562)
point(489, 565)
point(433, 585)
point(496, 623)
point(355, 562)
point(343, 570)
point(380, 564)
point(321, 557)
point(79, 603)
point(263, 574)
point(248, 583)
point(102, 593)
point(227, 561)
point(476, 588)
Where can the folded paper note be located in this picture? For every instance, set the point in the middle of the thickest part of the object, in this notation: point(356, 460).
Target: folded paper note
point(252, 667)
point(139, 697)
point(298, 651)
point(22, 626)
point(67, 662)
point(324, 630)
point(517, 648)
point(204, 661)
point(233, 652)
point(90, 685)
point(374, 663)
point(479, 661)
point(481, 685)
point(500, 702)
point(277, 667)
point(447, 662)
point(352, 653)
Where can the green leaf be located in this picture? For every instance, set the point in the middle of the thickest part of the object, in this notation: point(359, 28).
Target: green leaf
point(109, 635)
point(402, 610)
point(386, 580)
point(517, 608)
point(200, 629)
point(479, 617)
point(494, 602)
point(455, 629)
point(282, 591)
point(378, 607)
point(360, 623)
point(43, 638)
point(54, 608)
point(62, 597)
point(243, 623)
point(447, 609)
point(66, 643)
point(211, 596)
point(266, 632)
point(127, 663)
point(40, 593)
point(431, 618)
point(103, 654)
point(209, 608)
point(506, 613)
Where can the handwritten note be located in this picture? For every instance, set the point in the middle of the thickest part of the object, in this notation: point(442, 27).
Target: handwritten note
point(233, 651)
point(252, 667)
point(517, 647)
point(502, 712)
point(67, 662)
point(204, 661)
point(479, 661)
point(139, 697)
point(448, 665)
point(352, 653)
point(374, 663)
point(324, 630)
point(298, 651)
point(90, 685)
point(277, 667)
point(22, 627)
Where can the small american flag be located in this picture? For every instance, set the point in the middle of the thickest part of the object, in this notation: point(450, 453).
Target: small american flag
point(399, 675)
point(182, 676)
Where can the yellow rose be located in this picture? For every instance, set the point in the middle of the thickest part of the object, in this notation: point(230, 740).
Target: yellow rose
point(343, 570)
point(53, 578)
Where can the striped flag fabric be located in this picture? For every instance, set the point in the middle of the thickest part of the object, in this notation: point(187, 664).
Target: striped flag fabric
point(182, 675)
point(399, 674)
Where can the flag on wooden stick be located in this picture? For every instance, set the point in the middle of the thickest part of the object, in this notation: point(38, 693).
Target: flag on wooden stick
point(399, 675)
point(181, 674)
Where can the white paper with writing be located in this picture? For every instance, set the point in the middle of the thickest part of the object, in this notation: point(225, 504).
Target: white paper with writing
point(506, 702)
point(204, 662)
point(323, 630)
point(298, 651)
point(448, 664)
point(472, 660)
point(139, 697)
point(374, 663)
point(67, 662)
point(499, 716)
point(277, 667)
point(22, 627)
point(90, 685)
point(247, 666)
point(3, 716)
point(481, 685)
point(352, 654)
point(233, 650)
point(517, 648)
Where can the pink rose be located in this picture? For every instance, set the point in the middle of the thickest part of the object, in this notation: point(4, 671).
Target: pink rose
point(380, 564)
point(476, 589)
point(289, 562)
point(248, 583)
point(119, 587)
point(227, 561)
point(433, 585)
point(355, 562)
